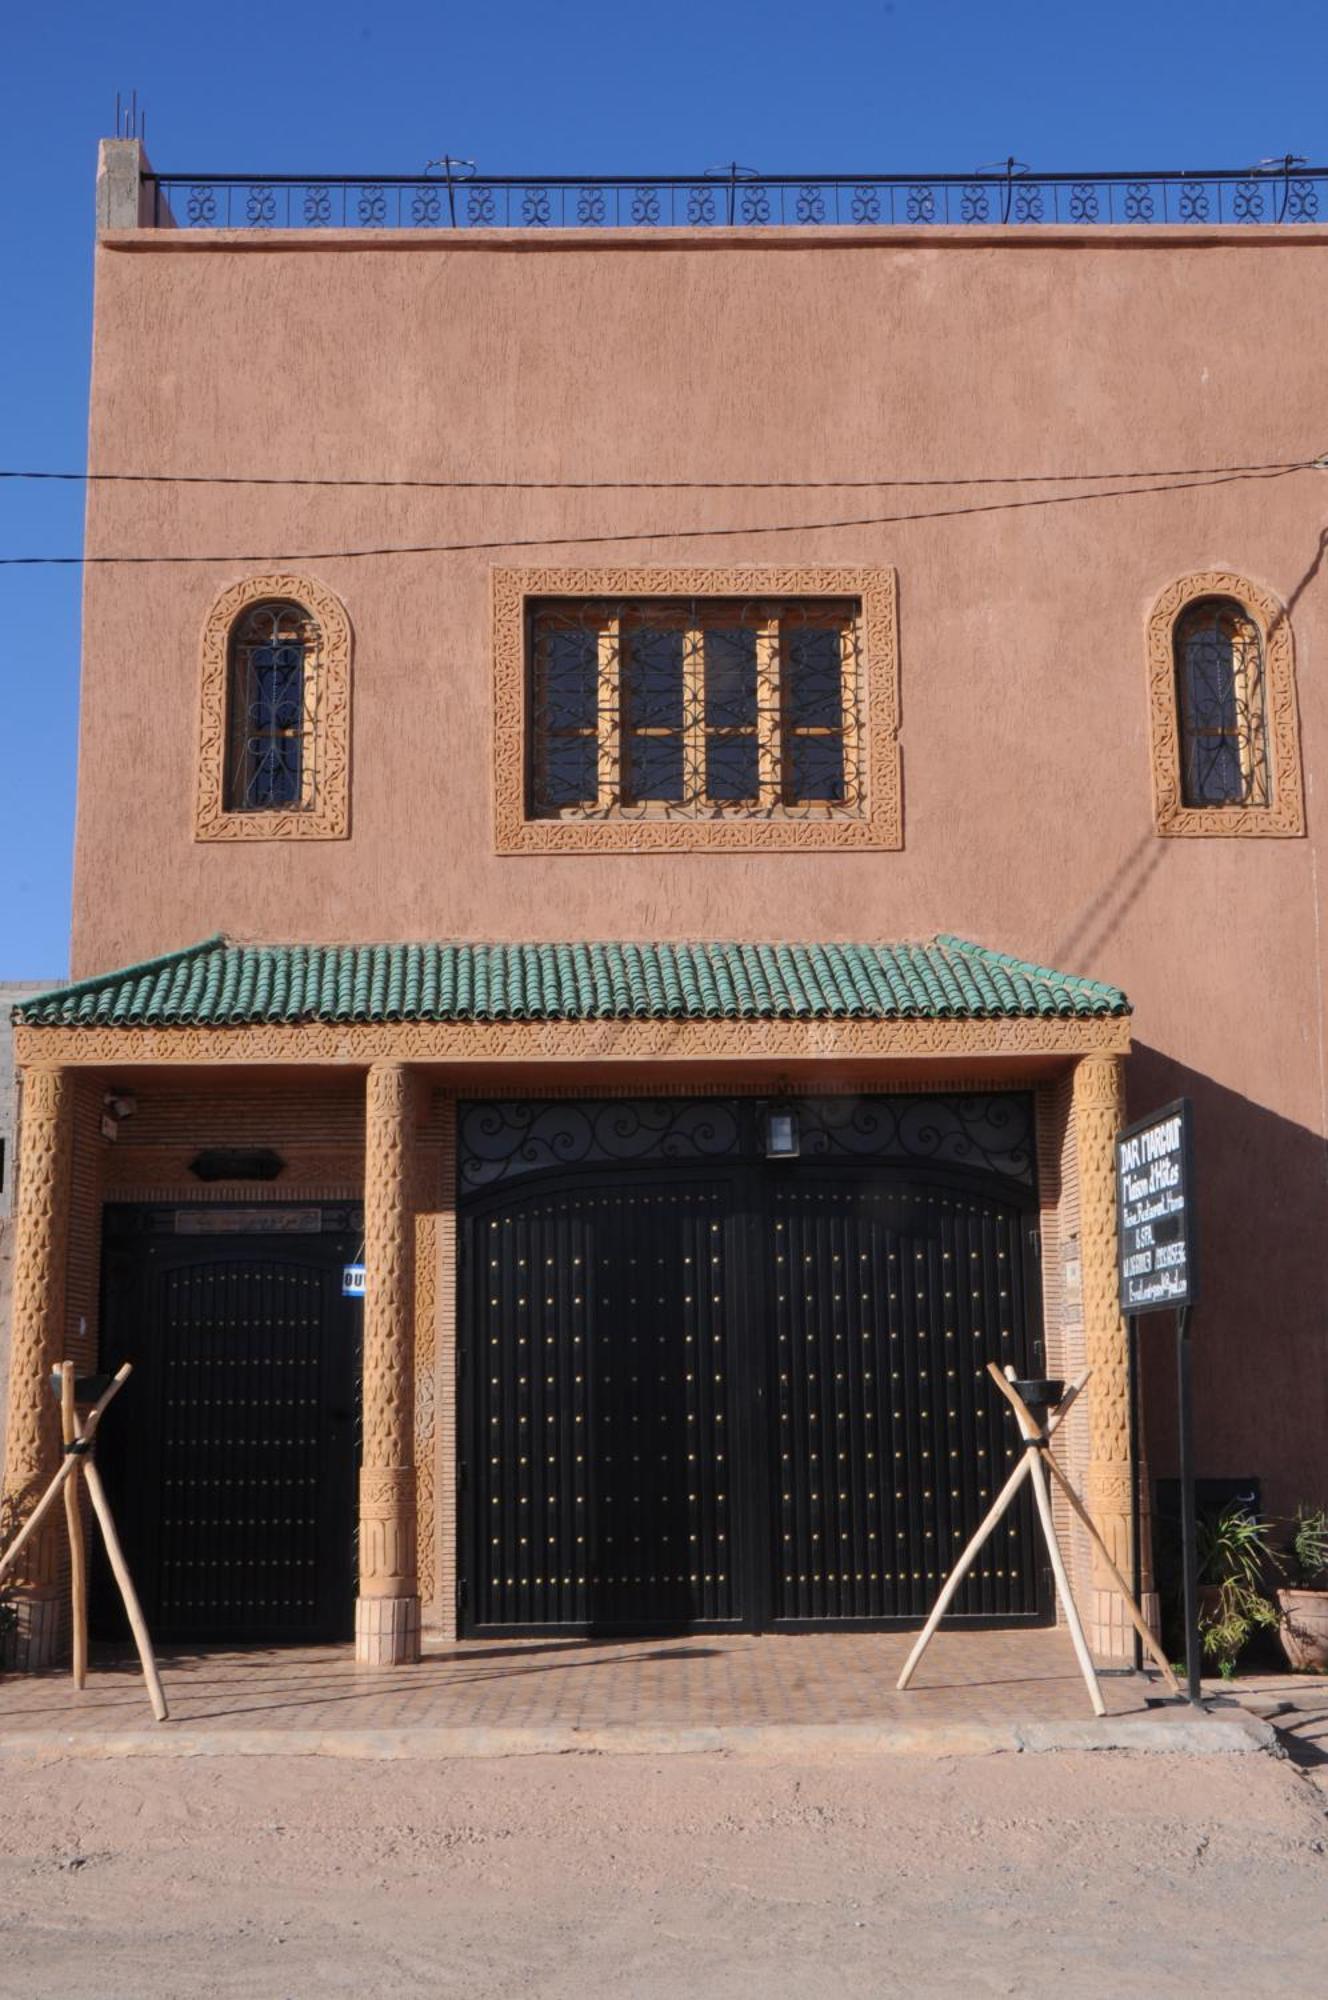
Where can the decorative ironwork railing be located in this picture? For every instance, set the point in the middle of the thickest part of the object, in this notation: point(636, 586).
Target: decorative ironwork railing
point(500, 1141)
point(455, 196)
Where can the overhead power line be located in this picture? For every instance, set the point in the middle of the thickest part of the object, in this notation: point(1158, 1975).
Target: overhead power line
point(1190, 485)
point(644, 485)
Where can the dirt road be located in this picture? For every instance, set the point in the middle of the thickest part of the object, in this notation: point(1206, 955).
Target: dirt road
point(648, 1877)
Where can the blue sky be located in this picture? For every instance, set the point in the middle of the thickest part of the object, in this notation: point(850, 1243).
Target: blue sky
point(558, 86)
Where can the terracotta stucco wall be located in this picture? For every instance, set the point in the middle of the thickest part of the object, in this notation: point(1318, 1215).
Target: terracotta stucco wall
point(1027, 812)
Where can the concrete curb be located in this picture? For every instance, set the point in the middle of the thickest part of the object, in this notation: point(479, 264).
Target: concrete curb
point(1209, 1736)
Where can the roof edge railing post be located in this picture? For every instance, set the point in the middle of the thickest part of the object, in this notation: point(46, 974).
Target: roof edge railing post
point(123, 177)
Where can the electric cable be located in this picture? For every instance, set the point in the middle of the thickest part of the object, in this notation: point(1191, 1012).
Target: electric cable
point(1227, 478)
point(641, 485)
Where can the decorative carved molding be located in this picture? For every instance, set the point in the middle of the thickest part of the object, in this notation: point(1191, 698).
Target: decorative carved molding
point(486, 1042)
point(387, 1531)
point(880, 827)
point(1098, 1107)
point(1112, 1486)
point(1285, 817)
point(389, 1256)
point(426, 1314)
point(37, 1325)
point(329, 816)
point(387, 1478)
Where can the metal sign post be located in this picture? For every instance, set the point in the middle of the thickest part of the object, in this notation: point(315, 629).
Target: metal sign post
point(1189, 1527)
point(1157, 1269)
point(1136, 1455)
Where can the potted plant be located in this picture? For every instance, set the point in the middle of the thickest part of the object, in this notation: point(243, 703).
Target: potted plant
point(1236, 1558)
point(1303, 1601)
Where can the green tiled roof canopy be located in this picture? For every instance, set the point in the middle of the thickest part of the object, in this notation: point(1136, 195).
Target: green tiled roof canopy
point(217, 984)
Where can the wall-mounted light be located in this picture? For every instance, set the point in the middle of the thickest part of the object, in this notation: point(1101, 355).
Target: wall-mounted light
point(115, 1105)
point(781, 1130)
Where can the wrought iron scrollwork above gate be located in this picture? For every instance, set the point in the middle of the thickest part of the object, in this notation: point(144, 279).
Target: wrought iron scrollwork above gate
point(502, 1140)
point(987, 1133)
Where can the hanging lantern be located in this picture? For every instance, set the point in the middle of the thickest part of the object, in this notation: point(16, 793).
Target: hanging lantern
point(781, 1130)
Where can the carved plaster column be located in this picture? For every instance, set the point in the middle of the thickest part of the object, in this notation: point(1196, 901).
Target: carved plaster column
point(1099, 1106)
point(387, 1614)
point(32, 1446)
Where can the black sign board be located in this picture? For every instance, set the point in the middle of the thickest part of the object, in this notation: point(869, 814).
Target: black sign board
point(1154, 1190)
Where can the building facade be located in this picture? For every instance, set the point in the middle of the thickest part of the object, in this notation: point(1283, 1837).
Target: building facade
point(669, 748)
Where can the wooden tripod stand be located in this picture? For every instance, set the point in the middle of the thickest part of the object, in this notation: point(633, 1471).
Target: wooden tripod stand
point(1035, 1465)
point(78, 1434)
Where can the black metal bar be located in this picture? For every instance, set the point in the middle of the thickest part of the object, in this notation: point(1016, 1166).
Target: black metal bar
point(1136, 1481)
point(1188, 1522)
point(1171, 176)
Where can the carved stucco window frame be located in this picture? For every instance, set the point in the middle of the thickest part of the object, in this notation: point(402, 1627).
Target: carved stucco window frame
point(327, 817)
point(880, 826)
point(1284, 817)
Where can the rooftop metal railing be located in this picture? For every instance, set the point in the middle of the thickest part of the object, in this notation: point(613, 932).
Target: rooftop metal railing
point(452, 194)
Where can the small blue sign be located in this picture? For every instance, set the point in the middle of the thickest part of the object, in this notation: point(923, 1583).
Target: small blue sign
point(352, 1281)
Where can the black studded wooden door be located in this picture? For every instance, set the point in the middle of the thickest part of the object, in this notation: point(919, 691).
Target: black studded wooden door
point(230, 1455)
point(705, 1388)
point(599, 1485)
point(889, 1300)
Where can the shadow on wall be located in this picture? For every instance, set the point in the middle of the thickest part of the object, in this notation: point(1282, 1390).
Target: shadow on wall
point(1260, 1328)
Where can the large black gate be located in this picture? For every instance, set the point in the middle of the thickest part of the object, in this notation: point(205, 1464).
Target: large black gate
point(704, 1387)
point(230, 1455)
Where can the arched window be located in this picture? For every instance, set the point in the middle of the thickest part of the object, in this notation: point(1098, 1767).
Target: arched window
point(1222, 700)
point(270, 761)
point(274, 743)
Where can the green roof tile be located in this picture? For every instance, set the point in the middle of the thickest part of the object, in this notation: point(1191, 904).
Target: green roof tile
point(219, 984)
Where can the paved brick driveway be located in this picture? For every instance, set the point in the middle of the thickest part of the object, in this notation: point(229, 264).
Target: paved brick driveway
point(705, 1680)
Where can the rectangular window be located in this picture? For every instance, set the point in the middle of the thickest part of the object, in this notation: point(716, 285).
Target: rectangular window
point(695, 708)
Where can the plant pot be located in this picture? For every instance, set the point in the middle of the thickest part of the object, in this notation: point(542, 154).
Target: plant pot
point(1303, 1627)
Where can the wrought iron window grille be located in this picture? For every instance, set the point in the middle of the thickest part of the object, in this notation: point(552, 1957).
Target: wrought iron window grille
point(1222, 706)
point(695, 708)
point(274, 687)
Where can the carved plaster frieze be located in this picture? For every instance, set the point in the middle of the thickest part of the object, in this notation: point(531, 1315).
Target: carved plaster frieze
point(426, 1405)
point(496, 1042)
point(389, 1252)
point(1285, 816)
point(328, 816)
